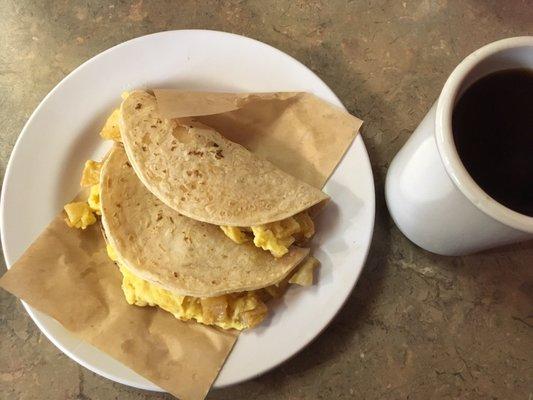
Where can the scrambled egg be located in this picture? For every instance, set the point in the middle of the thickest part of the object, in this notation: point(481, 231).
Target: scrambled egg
point(94, 199)
point(111, 130)
point(91, 173)
point(236, 234)
point(277, 236)
point(304, 275)
point(82, 214)
point(79, 215)
point(231, 311)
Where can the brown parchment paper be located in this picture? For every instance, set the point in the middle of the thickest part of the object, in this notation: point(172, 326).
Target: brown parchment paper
point(66, 273)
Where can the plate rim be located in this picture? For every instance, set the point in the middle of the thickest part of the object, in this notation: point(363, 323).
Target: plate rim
point(8, 172)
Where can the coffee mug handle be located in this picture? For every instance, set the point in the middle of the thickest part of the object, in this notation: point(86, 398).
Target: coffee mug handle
point(427, 206)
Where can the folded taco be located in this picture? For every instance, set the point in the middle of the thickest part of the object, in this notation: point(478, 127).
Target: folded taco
point(200, 174)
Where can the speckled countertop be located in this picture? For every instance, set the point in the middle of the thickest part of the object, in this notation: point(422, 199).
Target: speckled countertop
point(418, 326)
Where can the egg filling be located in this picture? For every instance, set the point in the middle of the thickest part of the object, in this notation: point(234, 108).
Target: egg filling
point(277, 236)
point(81, 214)
point(232, 311)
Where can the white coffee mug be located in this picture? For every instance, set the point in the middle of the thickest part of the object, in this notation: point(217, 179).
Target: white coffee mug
point(429, 193)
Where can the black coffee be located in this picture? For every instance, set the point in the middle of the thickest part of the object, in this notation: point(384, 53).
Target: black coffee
point(493, 132)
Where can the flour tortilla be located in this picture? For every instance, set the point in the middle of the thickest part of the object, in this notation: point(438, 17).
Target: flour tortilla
point(202, 175)
point(185, 256)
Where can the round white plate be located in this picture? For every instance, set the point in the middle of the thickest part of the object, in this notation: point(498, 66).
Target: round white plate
point(44, 169)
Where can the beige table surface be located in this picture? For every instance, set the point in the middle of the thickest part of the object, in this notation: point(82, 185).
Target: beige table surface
point(418, 326)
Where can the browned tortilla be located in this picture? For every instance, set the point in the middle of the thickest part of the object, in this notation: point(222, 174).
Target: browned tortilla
point(201, 174)
point(185, 256)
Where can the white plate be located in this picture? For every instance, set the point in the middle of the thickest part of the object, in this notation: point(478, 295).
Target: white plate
point(44, 169)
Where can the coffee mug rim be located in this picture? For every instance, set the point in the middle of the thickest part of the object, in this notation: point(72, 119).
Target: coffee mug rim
point(446, 146)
